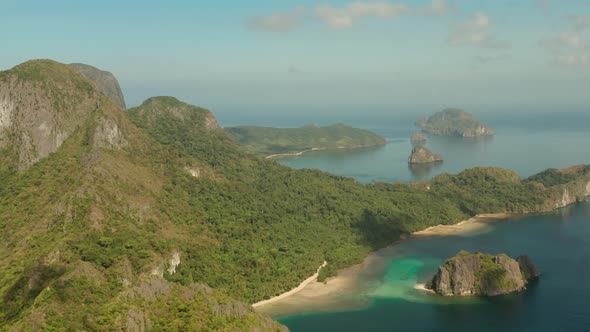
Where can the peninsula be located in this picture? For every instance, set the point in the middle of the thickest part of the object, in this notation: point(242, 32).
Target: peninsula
point(292, 141)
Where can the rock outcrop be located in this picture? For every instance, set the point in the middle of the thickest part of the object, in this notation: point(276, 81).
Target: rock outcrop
point(418, 138)
point(481, 274)
point(42, 103)
point(421, 155)
point(105, 82)
point(454, 122)
point(565, 186)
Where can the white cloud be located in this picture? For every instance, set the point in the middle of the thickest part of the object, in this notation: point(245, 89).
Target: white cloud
point(580, 22)
point(572, 40)
point(474, 32)
point(573, 60)
point(571, 48)
point(278, 22)
point(344, 17)
point(437, 8)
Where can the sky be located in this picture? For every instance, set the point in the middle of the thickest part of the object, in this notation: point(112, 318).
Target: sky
point(281, 56)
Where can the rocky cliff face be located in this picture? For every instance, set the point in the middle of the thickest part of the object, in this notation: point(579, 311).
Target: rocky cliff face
point(483, 275)
point(105, 82)
point(570, 192)
point(42, 103)
point(75, 252)
point(421, 155)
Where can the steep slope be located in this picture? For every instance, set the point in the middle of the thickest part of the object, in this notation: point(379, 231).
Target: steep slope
point(105, 81)
point(266, 140)
point(82, 246)
point(41, 104)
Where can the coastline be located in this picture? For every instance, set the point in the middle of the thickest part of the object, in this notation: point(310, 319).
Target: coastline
point(310, 291)
point(422, 287)
point(292, 291)
point(462, 226)
point(292, 154)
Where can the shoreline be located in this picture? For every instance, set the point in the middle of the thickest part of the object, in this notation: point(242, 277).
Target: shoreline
point(301, 286)
point(294, 154)
point(422, 287)
point(462, 226)
point(311, 290)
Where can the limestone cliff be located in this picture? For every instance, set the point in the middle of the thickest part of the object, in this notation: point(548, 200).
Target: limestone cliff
point(481, 274)
point(565, 186)
point(105, 82)
point(421, 155)
point(42, 103)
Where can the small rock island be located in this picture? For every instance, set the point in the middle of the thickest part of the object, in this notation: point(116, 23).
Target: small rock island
point(418, 138)
point(421, 155)
point(480, 274)
point(454, 122)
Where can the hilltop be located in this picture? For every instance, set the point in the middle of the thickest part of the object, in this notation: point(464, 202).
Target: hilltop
point(268, 141)
point(105, 82)
point(454, 122)
point(156, 218)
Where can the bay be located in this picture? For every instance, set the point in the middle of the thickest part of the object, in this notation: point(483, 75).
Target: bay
point(383, 297)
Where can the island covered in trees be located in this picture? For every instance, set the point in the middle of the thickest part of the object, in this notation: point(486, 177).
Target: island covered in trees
point(454, 122)
point(481, 274)
point(270, 141)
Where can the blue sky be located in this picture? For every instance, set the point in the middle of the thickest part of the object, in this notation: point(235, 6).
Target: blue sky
point(285, 56)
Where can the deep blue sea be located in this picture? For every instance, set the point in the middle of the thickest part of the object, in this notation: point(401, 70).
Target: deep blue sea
point(558, 242)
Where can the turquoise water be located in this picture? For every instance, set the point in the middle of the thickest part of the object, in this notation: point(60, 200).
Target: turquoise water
point(558, 242)
point(559, 301)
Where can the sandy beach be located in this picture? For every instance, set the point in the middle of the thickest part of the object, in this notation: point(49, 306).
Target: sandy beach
point(292, 153)
point(301, 286)
point(312, 293)
point(464, 226)
point(317, 149)
point(422, 287)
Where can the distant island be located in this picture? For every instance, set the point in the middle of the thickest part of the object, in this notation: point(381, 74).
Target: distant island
point(278, 141)
point(454, 122)
point(421, 155)
point(418, 138)
point(480, 274)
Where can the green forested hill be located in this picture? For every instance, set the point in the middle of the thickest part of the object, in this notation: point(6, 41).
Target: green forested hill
point(454, 122)
point(266, 140)
point(153, 216)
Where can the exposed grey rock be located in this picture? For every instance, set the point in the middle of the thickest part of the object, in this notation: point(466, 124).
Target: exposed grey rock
point(421, 155)
point(482, 275)
point(105, 81)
